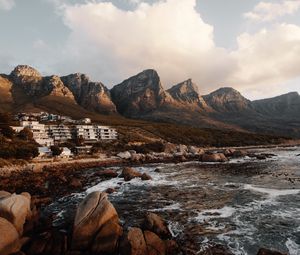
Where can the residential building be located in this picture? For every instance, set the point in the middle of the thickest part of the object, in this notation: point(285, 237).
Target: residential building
point(66, 153)
point(86, 132)
point(40, 135)
point(59, 133)
point(44, 152)
point(105, 133)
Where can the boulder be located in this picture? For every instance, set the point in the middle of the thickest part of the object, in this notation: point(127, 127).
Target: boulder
point(108, 173)
point(155, 246)
point(16, 209)
point(264, 251)
point(229, 152)
point(146, 177)
point(239, 153)
point(76, 183)
point(133, 243)
point(106, 241)
point(157, 225)
point(172, 247)
point(181, 148)
point(95, 216)
point(129, 173)
point(170, 148)
point(9, 241)
point(215, 157)
point(124, 155)
point(4, 194)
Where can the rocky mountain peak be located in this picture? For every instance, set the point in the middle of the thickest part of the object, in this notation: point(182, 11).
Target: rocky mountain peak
point(55, 86)
point(227, 99)
point(29, 79)
point(90, 95)
point(139, 94)
point(186, 91)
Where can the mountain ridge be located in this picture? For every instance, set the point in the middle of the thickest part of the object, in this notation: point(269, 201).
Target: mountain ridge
point(143, 96)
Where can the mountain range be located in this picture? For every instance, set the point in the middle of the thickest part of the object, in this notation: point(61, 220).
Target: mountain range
point(144, 97)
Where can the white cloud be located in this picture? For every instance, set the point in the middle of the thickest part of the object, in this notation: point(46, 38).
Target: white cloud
point(111, 44)
point(7, 4)
point(169, 36)
point(269, 57)
point(266, 11)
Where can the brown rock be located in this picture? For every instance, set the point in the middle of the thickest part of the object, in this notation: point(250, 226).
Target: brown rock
point(133, 243)
point(264, 251)
point(129, 173)
point(156, 224)
point(107, 239)
point(9, 241)
point(215, 157)
point(16, 209)
point(110, 190)
point(92, 215)
point(239, 153)
point(146, 177)
point(155, 246)
point(171, 247)
point(109, 173)
point(76, 183)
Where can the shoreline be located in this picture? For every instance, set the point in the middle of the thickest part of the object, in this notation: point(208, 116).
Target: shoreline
point(90, 162)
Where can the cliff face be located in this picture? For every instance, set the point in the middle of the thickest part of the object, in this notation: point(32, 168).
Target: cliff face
point(140, 94)
point(93, 96)
point(187, 94)
point(284, 106)
point(226, 100)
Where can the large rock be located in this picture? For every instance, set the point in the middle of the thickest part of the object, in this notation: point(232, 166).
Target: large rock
point(124, 155)
point(264, 251)
point(134, 243)
point(107, 239)
point(16, 209)
point(96, 224)
point(157, 225)
point(57, 88)
point(9, 237)
point(214, 157)
point(155, 246)
point(129, 173)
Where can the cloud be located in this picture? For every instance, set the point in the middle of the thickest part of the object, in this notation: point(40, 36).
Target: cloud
point(268, 57)
point(111, 44)
point(7, 4)
point(266, 11)
point(169, 36)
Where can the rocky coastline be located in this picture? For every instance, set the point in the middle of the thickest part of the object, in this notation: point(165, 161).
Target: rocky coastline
point(94, 227)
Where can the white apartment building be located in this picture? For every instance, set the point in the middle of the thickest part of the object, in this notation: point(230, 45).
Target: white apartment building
point(105, 133)
point(47, 135)
point(40, 135)
point(59, 133)
point(87, 132)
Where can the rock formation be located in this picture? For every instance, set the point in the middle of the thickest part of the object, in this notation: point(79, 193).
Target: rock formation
point(93, 96)
point(140, 94)
point(96, 220)
point(226, 100)
point(187, 93)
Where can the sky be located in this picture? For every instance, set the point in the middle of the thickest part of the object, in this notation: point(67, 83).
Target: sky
point(250, 45)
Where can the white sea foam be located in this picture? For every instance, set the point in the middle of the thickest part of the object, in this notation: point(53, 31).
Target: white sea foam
point(103, 185)
point(224, 212)
point(175, 206)
point(294, 248)
point(272, 193)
